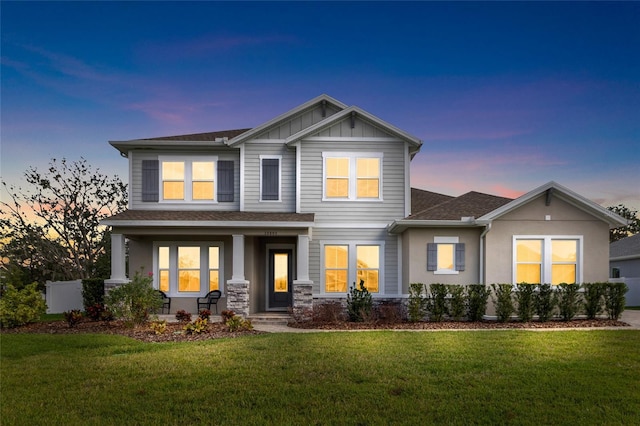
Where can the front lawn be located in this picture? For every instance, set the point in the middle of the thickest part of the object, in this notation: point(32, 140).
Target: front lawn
point(379, 377)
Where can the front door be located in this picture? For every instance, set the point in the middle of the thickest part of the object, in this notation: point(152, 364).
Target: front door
point(280, 278)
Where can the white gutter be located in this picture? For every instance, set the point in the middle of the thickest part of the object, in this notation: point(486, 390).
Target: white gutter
point(484, 233)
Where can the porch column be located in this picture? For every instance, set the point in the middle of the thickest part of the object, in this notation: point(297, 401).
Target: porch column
point(237, 286)
point(118, 263)
point(302, 285)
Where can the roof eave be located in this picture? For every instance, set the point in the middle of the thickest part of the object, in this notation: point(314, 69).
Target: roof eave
point(256, 130)
point(399, 226)
point(205, 224)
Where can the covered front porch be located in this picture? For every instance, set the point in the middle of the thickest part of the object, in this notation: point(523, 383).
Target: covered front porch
point(259, 266)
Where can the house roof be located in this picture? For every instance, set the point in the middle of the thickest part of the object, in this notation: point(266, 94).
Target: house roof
point(478, 209)
point(554, 189)
point(346, 114)
point(626, 248)
point(180, 218)
point(422, 200)
point(208, 136)
point(472, 204)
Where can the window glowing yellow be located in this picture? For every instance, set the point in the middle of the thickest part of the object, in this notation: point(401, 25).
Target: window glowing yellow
point(368, 265)
point(202, 170)
point(368, 173)
point(164, 280)
point(214, 280)
point(189, 269)
point(528, 273)
point(214, 268)
point(163, 257)
point(529, 251)
point(564, 250)
point(446, 254)
point(336, 260)
point(281, 272)
point(202, 190)
point(173, 190)
point(563, 274)
point(163, 268)
point(173, 180)
point(173, 170)
point(337, 174)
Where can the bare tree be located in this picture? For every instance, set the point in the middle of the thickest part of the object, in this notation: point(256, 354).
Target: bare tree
point(51, 229)
point(624, 231)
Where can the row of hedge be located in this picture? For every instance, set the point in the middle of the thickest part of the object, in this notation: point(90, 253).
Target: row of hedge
point(544, 301)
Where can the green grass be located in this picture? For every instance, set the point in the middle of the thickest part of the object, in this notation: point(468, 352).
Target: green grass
point(380, 377)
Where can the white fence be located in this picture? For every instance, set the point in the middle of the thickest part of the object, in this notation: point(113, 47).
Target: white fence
point(633, 295)
point(62, 296)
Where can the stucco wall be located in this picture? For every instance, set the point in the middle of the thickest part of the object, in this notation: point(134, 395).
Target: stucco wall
point(560, 219)
point(415, 252)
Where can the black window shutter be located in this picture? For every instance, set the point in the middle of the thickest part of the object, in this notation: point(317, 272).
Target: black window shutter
point(225, 181)
point(432, 256)
point(150, 180)
point(459, 256)
point(270, 178)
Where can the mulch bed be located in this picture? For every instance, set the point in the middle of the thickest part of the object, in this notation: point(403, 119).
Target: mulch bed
point(460, 325)
point(175, 332)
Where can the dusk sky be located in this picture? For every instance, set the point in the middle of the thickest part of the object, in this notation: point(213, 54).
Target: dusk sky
point(505, 96)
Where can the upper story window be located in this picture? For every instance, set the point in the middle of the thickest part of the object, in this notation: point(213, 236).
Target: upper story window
point(187, 179)
point(352, 176)
point(270, 177)
point(547, 259)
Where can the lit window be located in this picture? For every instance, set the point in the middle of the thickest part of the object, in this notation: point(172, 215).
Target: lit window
point(351, 176)
point(337, 177)
point(188, 269)
point(336, 261)
point(445, 255)
point(547, 259)
point(341, 268)
point(368, 267)
point(188, 179)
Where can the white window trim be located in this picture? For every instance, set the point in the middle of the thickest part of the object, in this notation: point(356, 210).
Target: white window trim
point(188, 178)
point(352, 156)
point(272, 157)
point(173, 266)
point(352, 267)
point(447, 240)
point(546, 255)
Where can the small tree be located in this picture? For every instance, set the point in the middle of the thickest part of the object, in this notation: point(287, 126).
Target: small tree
point(132, 302)
point(19, 307)
point(477, 296)
point(624, 231)
point(51, 230)
point(524, 299)
point(416, 307)
point(359, 303)
point(568, 300)
point(503, 301)
point(545, 302)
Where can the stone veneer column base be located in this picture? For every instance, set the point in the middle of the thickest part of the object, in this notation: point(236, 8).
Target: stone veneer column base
point(303, 300)
point(238, 297)
point(113, 283)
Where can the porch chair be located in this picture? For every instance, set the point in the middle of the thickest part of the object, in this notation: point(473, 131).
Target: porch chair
point(166, 302)
point(210, 299)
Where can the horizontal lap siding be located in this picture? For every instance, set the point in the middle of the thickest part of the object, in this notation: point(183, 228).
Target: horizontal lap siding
point(252, 153)
point(361, 235)
point(135, 186)
point(393, 180)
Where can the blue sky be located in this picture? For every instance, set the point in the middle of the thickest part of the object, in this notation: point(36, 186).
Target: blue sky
point(505, 96)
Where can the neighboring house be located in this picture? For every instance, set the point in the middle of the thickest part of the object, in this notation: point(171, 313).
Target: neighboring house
point(296, 210)
point(624, 264)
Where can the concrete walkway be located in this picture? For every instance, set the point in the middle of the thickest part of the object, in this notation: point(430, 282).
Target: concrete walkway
point(630, 317)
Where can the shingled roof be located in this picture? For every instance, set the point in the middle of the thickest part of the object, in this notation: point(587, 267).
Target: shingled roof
point(204, 137)
point(629, 246)
point(423, 200)
point(471, 204)
point(205, 216)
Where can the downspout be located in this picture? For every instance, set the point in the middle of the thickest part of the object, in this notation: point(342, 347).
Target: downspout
point(487, 228)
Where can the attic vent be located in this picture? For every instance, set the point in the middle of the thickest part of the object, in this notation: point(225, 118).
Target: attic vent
point(353, 119)
point(324, 108)
point(548, 200)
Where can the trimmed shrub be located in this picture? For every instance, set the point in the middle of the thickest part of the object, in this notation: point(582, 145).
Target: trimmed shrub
point(359, 303)
point(525, 302)
point(593, 299)
point(183, 316)
point(417, 302)
point(92, 292)
point(437, 302)
point(569, 300)
point(133, 301)
point(614, 299)
point(73, 317)
point(544, 302)
point(457, 307)
point(503, 301)
point(477, 297)
point(328, 312)
point(237, 323)
point(199, 326)
point(20, 307)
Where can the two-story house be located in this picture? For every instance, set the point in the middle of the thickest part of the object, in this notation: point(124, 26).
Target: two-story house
point(296, 210)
